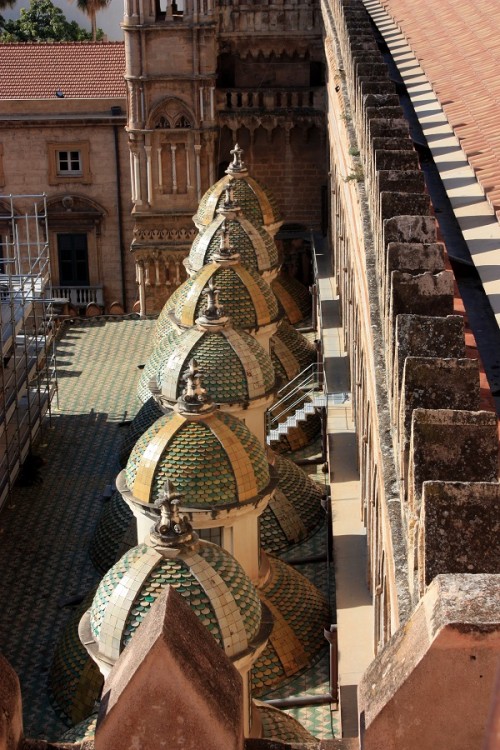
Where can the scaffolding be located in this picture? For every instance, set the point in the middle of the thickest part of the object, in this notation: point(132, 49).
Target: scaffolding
point(28, 379)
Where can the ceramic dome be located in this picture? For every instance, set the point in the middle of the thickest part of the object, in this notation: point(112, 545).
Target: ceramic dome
point(248, 300)
point(294, 298)
point(164, 323)
point(74, 679)
point(211, 581)
point(295, 510)
point(236, 369)
point(257, 204)
point(254, 244)
point(300, 613)
point(291, 352)
point(210, 456)
point(128, 590)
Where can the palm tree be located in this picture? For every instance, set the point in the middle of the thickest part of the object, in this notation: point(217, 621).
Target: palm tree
point(90, 8)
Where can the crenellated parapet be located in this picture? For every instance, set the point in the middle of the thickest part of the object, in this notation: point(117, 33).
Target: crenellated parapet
point(428, 455)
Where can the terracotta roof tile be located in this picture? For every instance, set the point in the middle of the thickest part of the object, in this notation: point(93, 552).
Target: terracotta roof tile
point(456, 44)
point(81, 70)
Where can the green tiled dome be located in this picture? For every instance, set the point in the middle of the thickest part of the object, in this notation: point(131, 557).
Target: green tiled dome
point(280, 727)
point(112, 526)
point(215, 462)
point(147, 414)
point(301, 612)
point(211, 581)
point(84, 731)
point(294, 298)
point(235, 367)
point(295, 511)
point(74, 679)
point(163, 323)
point(167, 342)
point(291, 352)
point(254, 244)
point(246, 298)
point(257, 203)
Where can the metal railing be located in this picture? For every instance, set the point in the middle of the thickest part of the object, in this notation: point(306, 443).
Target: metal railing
point(304, 386)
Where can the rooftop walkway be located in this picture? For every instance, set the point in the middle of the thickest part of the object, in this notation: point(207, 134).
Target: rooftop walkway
point(353, 599)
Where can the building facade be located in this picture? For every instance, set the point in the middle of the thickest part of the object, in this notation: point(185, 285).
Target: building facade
point(62, 133)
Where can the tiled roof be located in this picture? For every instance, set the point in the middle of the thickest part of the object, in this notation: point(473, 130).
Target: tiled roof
point(456, 44)
point(81, 70)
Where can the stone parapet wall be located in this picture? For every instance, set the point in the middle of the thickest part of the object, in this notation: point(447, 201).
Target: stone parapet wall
point(415, 394)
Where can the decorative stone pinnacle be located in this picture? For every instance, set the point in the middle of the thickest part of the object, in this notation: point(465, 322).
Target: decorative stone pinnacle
point(237, 166)
point(226, 251)
point(194, 399)
point(214, 309)
point(213, 318)
point(172, 530)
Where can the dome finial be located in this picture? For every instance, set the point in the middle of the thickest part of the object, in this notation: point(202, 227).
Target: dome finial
point(237, 166)
point(194, 399)
point(226, 251)
point(213, 317)
point(214, 309)
point(172, 530)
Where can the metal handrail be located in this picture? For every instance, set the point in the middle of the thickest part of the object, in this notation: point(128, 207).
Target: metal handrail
point(313, 368)
point(311, 381)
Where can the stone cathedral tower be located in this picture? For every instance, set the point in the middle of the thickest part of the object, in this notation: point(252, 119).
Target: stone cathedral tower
point(201, 75)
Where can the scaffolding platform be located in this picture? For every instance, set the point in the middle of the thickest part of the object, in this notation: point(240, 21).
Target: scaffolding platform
point(28, 378)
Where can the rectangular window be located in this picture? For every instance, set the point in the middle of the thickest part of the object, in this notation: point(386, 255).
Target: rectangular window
point(69, 163)
point(73, 259)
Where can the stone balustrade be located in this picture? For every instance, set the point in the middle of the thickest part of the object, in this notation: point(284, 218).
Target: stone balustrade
point(270, 99)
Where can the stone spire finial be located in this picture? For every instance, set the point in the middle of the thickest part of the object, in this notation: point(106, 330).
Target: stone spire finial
point(194, 399)
point(172, 529)
point(237, 166)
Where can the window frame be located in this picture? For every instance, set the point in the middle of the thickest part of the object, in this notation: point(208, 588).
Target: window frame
point(83, 175)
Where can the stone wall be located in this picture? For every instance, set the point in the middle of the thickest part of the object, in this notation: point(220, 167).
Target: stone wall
point(28, 141)
point(428, 457)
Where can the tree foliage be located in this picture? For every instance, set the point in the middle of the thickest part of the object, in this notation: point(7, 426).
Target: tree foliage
point(43, 22)
point(91, 8)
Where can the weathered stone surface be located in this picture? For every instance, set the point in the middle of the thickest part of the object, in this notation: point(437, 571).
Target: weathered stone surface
point(431, 686)
point(400, 181)
point(425, 336)
point(459, 530)
point(410, 229)
point(171, 678)
point(11, 716)
point(423, 294)
point(397, 158)
point(412, 257)
point(397, 203)
point(376, 87)
point(375, 70)
point(390, 143)
point(432, 383)
point(380, 100)
point(380, 127)
point(451, 446)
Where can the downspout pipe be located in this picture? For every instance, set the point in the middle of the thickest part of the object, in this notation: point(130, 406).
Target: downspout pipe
point(119, 203)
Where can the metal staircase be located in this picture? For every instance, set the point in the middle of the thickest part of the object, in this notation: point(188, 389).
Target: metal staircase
point(303, 396)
